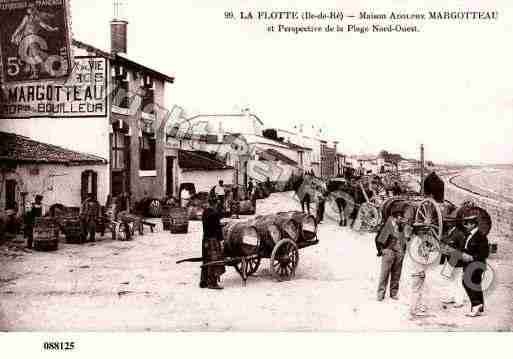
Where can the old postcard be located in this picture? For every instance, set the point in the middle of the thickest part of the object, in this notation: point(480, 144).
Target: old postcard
point(284, 166)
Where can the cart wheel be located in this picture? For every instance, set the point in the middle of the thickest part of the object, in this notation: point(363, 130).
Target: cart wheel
point(284, 259)
point(252, 266)
point(429, 213)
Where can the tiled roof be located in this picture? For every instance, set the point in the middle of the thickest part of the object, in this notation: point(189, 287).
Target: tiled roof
point(18, 148)
point(199, 161)
point(280, 157)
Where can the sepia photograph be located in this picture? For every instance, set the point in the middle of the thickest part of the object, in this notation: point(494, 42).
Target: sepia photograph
point(241, 167)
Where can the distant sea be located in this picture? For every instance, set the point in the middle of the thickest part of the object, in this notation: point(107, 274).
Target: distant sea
point(494, 182)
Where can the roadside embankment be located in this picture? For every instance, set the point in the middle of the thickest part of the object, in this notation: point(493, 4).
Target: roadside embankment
point(500, 211)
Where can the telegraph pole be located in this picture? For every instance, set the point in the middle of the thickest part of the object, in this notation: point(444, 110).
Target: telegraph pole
point(422, 169)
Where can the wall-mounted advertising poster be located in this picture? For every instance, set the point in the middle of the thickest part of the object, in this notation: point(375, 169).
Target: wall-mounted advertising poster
point(35, 40)
point(82, 94)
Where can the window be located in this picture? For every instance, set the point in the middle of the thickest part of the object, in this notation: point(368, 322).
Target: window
point(120, 96)
point(118, 151)
point(148, 100)
point(147, 151)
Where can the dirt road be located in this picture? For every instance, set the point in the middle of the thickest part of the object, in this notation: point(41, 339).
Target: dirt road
point(136, 286)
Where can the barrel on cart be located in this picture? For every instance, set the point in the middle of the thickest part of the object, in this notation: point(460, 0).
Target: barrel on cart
point(46, 234)
point(277, 237)
point(305, 225)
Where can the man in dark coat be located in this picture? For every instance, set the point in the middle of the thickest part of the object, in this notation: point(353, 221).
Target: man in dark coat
point(321, 206)
point(36, 211)
point(391, 244)
point(89, 215)
point(475, 252)
point(250, 189)
point(211, 247)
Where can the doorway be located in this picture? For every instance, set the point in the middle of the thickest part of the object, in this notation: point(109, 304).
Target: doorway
point(10, 194)
point(170, 162)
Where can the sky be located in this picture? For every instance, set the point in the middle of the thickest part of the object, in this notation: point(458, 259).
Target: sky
point(449, 86)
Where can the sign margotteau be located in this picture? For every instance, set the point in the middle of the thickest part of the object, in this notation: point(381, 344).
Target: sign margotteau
point(83, 94)
point(35, 40)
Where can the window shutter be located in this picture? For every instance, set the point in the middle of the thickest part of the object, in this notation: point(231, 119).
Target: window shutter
point(95, 184)
point(83, 187)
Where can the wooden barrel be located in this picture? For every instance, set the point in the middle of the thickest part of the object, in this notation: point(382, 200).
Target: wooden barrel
point(390, 205)
point(240, 239)
point(306, 224)
point(179, 220)
point(288, 227)
point(46, 234)
point(268, 230)
point(72, 230)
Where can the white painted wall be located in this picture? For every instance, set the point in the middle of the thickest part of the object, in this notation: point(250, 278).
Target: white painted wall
point(205, 180)
point(57, 183)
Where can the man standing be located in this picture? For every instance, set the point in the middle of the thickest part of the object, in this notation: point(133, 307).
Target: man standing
point(421, 246)
point(250, 189)
point(30, 219)
point(211, 247)
point(391, 245)
point(475, 252)
point(321, 205)
point(185, 196)
point(220, 195)
point(89, 214)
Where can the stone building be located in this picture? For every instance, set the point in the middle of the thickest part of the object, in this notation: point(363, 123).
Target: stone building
point(125, 125)
point(29, 168)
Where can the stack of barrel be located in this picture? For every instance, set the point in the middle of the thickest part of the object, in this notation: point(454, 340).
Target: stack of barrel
point(303, 227)
point(241, 239)
point(261, 234)
point(46, 234)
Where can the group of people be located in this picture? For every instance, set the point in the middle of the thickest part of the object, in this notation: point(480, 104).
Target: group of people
point(468, 250)
point(90, 212)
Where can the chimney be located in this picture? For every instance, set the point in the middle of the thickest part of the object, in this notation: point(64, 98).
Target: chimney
point(118, 31)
